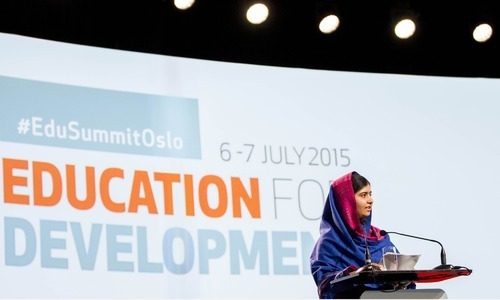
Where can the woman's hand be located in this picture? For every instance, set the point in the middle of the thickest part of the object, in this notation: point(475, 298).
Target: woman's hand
point(373, 266)
point(379, 266)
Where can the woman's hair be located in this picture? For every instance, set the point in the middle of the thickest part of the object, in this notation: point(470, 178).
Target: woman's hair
point(358, 182)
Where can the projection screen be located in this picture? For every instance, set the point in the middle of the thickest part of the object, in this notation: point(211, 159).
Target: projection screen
point(137, 175)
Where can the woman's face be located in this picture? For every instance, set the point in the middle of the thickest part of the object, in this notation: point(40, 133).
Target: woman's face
point(364, 201)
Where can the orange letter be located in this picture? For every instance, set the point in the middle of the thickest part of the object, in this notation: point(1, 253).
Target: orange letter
point(189, 194)
point(239, 192)
point(9, 181)
point(38, 169)
point(220, 210)
point(88, 202)
point(106, 177)
point(142, 178)
point(167, 180)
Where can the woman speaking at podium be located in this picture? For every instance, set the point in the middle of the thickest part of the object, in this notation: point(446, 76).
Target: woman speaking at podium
point(345, 234)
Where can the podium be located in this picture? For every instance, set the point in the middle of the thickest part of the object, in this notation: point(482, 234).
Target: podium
point(398, 278)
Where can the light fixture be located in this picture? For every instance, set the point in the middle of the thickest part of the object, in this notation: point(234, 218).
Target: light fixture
point(183, 4)
point(404, 18)
point(405, 28)
point(329, 24)
point(482, 33)
point(327, 16)
point(481, 22)
point(257, 13)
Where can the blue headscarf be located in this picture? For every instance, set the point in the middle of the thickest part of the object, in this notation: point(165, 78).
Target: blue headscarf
point(341, 245)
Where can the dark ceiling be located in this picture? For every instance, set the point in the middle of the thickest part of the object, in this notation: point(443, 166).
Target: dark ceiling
point(217, 30)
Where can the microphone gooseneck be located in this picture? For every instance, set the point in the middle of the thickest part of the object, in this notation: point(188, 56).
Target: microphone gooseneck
point(443, 253)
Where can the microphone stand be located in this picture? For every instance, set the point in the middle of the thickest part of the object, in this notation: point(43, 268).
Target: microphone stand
point(368, 260)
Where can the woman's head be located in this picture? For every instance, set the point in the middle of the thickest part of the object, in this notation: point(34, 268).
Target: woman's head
point(363, 195)
point(350, 200)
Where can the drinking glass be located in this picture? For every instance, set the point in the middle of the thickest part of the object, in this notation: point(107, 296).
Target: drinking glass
point(389, 258)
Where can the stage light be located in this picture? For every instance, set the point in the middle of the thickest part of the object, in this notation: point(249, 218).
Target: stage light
point(257, 13)
point(329, 24)
point(405, 29)
point(404, 18)
point(327, 16)
point(183, 4)
point(482, 33)
point(480, 20)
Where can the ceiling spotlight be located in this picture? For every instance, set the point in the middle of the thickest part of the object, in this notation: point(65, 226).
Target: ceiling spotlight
point(404, 29)
point(482, 33)
point(257, 13)
point(329, 24)
point(183, 4)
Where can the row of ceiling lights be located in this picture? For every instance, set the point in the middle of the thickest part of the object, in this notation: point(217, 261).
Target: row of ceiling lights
point(258, 13)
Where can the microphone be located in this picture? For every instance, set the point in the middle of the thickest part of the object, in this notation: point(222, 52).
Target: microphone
point(443, 253)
